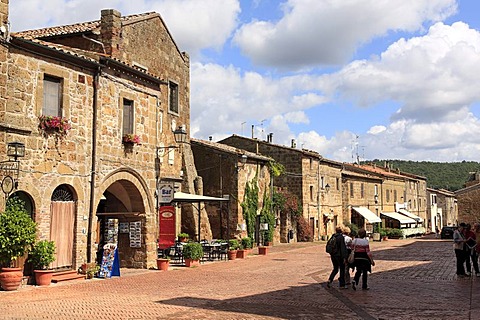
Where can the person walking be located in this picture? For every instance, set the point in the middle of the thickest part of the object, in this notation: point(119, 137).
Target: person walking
point(348, 243)
point(458, 246)
point(363, 260)
point(470, 253)
point(338, 255)
point(476, 230)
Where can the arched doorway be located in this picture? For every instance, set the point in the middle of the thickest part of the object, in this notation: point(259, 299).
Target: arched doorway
point(62, 225)
point(121, 220)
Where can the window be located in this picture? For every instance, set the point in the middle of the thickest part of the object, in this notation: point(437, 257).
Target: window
point(52, 96)
point(351, 189)
point(173, 97)
point(322, 183)
point(127, 117)
point(337, 183)
point(362, 191)
point(395, 195)
point(387, 194)
point(311, 193)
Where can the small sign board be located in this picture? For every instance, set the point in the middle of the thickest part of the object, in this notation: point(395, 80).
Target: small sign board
point(166, 192)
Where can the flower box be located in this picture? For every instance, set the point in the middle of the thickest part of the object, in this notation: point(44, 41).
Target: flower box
point(54, 125)
point(131, 139)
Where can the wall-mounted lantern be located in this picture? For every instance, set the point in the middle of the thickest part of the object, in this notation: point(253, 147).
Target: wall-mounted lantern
point(243, 161)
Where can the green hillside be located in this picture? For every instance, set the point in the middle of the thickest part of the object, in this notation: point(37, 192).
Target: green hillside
point(440, 175)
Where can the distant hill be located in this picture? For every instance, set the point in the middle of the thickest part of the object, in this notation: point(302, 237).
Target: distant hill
point(440, 175)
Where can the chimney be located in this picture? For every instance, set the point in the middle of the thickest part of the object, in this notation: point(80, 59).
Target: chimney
point(210, 138)
point(294, 144)
point(253, 128)
point(270, 137)
point(110, 31)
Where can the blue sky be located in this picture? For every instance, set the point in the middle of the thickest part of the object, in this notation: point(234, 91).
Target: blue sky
point(396, 79)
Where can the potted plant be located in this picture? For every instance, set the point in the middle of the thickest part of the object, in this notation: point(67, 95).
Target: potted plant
point(192, 253)
point(183, 237)
point(383, 234)
point(91, 270)
point(245, 247)
point(163, 264)
point(233, 246)
point(41, 256)
point(18, 233)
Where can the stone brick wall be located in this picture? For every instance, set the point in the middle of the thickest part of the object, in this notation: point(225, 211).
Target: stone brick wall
point(468, 200)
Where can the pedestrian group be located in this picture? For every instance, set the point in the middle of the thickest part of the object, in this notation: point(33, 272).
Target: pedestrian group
point(350, 254)
point(466, 250)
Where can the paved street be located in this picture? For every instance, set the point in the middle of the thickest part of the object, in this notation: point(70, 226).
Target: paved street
point(412, 279)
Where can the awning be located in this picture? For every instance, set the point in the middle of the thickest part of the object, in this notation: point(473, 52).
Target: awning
point(188, 197)
point(400, 217)
point(195, 198)
point(410, 215)
point(367, 214)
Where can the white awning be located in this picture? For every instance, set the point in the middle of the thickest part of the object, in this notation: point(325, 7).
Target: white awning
point(400, 217)
point(410, 215)
point(188, 197)
point(367, 214)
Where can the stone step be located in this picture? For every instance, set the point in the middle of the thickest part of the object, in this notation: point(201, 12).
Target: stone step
point(67, 276)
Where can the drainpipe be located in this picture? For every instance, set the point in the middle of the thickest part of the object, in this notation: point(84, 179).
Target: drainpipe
point(92, 210)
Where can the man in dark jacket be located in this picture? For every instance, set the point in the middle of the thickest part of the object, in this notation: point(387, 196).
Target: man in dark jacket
point(339, 259)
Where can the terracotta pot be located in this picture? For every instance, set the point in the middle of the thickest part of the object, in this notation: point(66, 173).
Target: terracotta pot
point(192, 263)
point(163, 264)
point(263, 250)
point(43, 277)
point(10, 278)
point(232, 254)
point(242, 254)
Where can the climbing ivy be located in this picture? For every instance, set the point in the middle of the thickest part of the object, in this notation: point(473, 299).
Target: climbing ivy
point(267, 215)
point(250, 206)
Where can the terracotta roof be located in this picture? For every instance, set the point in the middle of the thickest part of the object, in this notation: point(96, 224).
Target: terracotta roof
point(91, 26)
point(229, 149)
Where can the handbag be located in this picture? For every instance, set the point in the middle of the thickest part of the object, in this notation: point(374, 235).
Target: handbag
point(351, 257)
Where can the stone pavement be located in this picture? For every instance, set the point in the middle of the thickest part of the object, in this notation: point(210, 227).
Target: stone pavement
point(412, 279)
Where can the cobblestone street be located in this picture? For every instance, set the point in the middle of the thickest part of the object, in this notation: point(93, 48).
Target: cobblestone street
point(412, 279)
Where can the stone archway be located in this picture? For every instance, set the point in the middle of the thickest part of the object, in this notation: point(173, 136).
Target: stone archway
point(124, 218)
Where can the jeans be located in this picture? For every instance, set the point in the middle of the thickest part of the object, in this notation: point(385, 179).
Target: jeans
point(460, 255)
point(364, 274)
point(338, 265)
point(471, 256)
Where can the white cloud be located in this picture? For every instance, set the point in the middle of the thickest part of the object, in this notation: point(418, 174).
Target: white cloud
point(313, 32)
point(195, 25)
point(434, 76)
point(226, 97)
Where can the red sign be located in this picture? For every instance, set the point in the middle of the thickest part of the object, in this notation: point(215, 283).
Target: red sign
point(166, 218)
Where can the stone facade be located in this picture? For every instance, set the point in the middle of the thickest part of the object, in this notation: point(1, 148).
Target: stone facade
point(91, 166)
point(224, 173)
point(306, 175)
point(468, 199)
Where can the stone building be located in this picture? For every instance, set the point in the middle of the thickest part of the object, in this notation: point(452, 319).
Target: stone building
point(468, 199)
point(442, 208)
point(307, 175)
point(403, 199)
point(119, 86)
point(361, 196)
point(225, 171)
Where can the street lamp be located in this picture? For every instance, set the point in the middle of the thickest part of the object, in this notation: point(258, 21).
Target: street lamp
point(16, 150)
point(327, 187)
point(243, 161)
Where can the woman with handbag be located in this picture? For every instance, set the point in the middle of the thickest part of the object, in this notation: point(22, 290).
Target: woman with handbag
point(363, 259)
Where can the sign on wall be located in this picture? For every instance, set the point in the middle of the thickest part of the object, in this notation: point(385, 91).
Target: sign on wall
point(166, 192)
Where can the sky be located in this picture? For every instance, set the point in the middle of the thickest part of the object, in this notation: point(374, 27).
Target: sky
point(350, 79)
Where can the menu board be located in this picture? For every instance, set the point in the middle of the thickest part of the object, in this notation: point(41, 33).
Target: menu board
point(135, 234)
